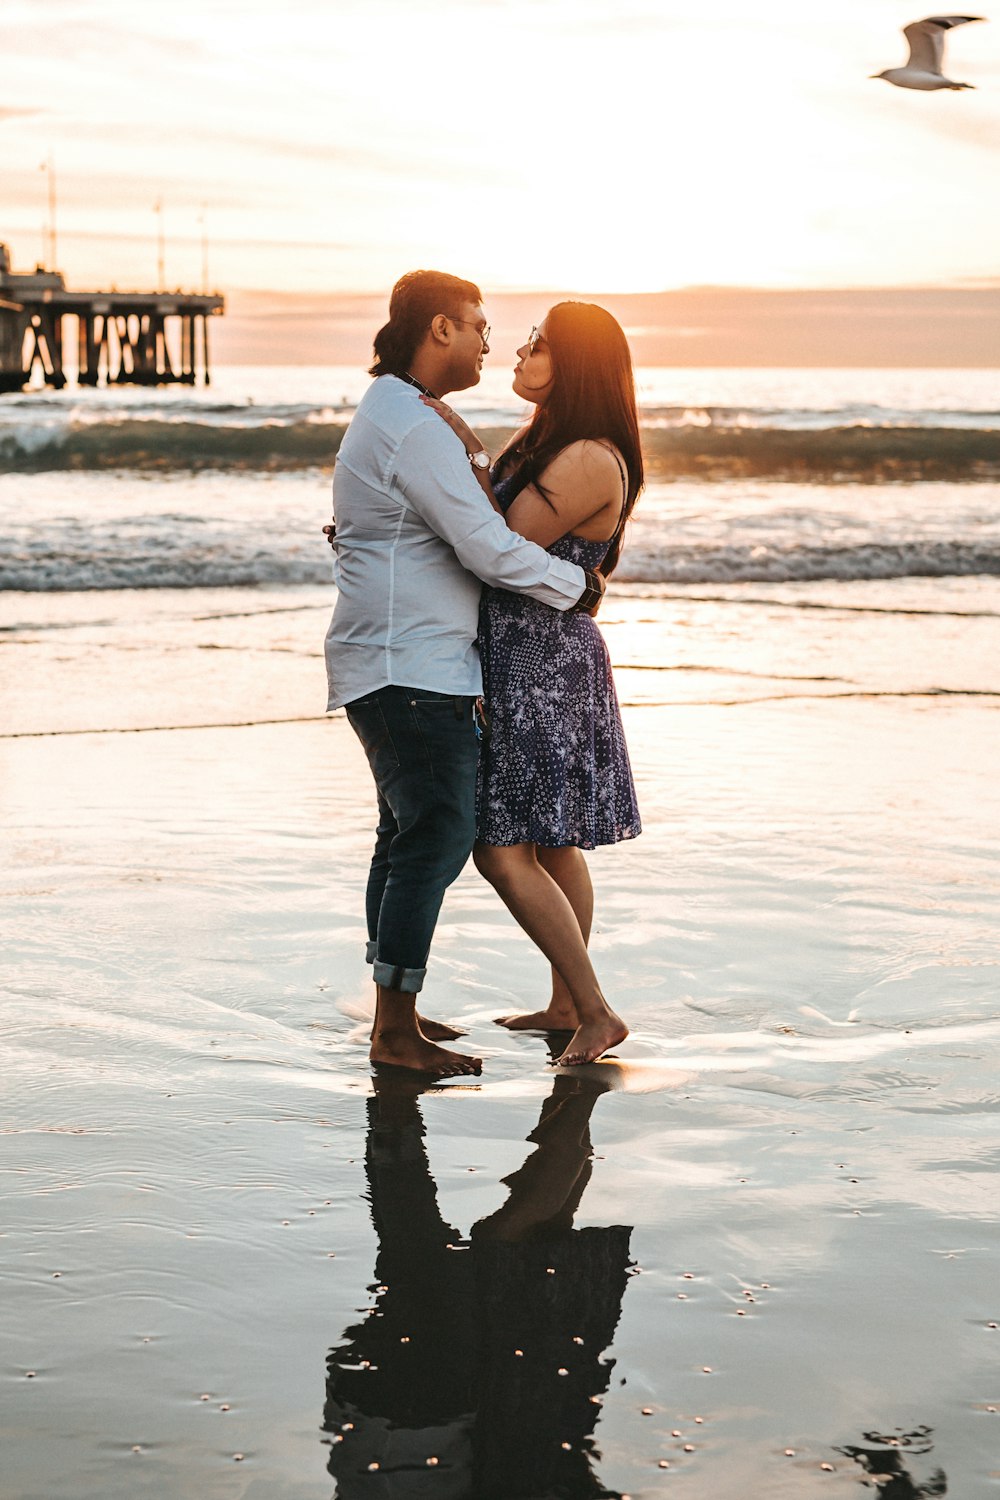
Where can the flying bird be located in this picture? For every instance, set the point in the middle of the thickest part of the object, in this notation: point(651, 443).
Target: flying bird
point(923, 66)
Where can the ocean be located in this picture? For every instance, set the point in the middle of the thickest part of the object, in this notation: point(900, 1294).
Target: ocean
point(756, 1253)
point(754, 476)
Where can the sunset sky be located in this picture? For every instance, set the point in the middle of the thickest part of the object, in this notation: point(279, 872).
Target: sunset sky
point(629, 146)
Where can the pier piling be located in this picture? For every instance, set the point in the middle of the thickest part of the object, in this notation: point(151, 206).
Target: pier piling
point(122, 338)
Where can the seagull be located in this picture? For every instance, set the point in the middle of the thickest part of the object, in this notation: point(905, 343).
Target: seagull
point(923, 66)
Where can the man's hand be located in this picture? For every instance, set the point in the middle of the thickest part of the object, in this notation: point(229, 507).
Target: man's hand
point(330, 532)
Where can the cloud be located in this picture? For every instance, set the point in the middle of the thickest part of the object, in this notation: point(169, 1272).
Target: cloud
point(242, 241)
point(395, 158)
point(979, 130)
point(969, 119)
point(91, 34)
point(99, 195)
point(743, 146)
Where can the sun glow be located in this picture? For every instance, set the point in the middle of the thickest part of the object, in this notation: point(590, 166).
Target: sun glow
point(523, 142)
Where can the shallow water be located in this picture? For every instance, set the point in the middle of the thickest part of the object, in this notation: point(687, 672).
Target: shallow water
point(799, 1135)
point(123, 530)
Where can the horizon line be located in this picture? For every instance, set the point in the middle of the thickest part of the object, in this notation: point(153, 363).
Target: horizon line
point(966, 284)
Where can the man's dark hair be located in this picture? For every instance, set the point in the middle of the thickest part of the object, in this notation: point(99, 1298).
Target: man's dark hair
point(416, 300)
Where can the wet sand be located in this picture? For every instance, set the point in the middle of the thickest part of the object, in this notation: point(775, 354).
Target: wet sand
point(771, 1221)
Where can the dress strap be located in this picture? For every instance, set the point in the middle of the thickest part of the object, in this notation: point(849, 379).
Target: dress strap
point(621, 469)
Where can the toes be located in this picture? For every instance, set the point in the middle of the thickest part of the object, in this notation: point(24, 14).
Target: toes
point(465, 1066)
point(435, 1063)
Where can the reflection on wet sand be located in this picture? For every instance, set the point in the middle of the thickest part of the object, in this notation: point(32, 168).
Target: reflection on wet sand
point(478, 1372)
point(882, 1455)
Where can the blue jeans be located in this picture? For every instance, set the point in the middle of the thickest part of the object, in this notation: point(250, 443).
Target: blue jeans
point(422, 750)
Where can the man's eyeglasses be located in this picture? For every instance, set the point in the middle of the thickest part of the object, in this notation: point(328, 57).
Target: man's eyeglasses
point(534, 339)
point(484, 333)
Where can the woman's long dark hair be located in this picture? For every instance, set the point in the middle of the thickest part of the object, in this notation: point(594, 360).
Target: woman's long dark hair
point(592, 396)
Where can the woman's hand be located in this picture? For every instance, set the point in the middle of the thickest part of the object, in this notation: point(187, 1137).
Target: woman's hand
point(472, 445)
point(460, 428)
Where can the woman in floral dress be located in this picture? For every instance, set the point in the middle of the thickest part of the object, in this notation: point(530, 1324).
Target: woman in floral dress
point(554, 772)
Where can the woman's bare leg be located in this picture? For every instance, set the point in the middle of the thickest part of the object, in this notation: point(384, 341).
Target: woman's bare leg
point(568, 868)
point(547, 1189)
point(545, 913)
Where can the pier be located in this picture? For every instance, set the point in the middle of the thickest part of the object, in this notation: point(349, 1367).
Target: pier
point(122, 338)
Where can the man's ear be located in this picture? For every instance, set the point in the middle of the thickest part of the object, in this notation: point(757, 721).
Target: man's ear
point(439, 329)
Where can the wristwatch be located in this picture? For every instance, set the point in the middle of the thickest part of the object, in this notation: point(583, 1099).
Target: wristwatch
point(592, 594)
point(480, 460)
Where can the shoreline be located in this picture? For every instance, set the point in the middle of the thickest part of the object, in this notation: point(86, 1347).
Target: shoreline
point(801, 941)
point(218, 1236)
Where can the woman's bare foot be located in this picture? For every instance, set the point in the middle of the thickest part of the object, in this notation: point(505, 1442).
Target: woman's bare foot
point(552, 1018)
point(592, 1039)
point(409, 1049)
point(438, 1031)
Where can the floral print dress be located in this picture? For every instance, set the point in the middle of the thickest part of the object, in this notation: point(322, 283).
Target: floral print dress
point(554, 769)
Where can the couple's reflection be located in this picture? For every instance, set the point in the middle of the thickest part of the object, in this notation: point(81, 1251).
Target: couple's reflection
point(883, 1455)
point(479, 1371)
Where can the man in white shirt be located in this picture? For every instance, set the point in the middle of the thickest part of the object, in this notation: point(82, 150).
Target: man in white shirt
point(414, 538)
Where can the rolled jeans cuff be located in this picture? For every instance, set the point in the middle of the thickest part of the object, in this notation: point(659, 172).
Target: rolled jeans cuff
point(396, 977)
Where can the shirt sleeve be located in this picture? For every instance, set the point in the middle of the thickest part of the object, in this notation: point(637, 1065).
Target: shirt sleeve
point(434, 477)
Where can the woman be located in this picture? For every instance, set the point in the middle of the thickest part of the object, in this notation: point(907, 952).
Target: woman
point(554, 772)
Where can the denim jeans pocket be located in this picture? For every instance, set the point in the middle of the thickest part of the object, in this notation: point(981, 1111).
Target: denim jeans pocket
point(443, 727)
point(367, 719)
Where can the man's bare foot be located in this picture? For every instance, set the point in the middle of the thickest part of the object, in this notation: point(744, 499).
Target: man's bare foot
point(549, 1019)
point(411, 1050)
point(592, 1039)
point(434, 1031)
point(438, 1031)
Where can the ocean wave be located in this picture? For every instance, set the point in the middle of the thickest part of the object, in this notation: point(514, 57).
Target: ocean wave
point(807, 564)
point(72, 561)
point(691, 449)
point(865, 454)
point(152, 443)
point(817, 418)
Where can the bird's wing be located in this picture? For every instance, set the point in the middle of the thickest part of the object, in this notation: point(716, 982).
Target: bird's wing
point(926, 39)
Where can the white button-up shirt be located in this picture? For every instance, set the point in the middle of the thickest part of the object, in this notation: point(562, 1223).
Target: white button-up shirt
point(415, 535)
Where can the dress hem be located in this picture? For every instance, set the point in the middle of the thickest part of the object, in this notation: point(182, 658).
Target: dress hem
point(548, 842)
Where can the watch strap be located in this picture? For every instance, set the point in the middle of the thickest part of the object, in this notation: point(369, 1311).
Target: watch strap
point(591, 596)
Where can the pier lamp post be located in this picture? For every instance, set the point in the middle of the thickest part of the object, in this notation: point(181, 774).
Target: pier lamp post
point(161, 277)
point(203, 221)
point(48, 167)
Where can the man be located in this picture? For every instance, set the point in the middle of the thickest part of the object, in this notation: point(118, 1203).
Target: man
point(414, 535)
